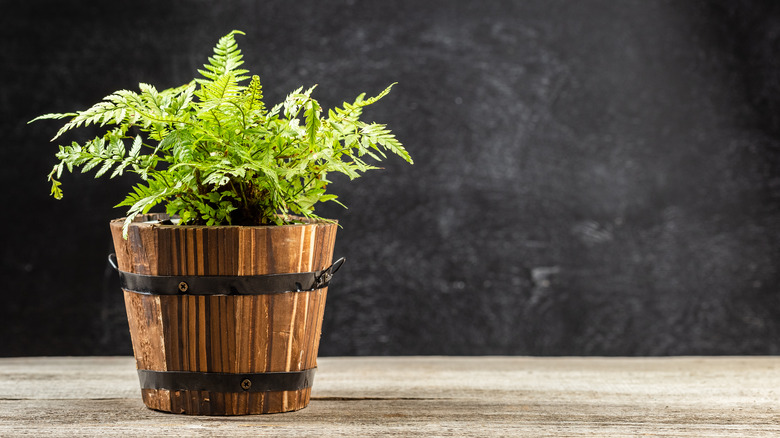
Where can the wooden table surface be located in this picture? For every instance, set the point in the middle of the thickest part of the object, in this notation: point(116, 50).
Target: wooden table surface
point(422, 396)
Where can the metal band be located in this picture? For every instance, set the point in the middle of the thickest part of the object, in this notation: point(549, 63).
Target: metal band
point(226, 382)
point(225, 284)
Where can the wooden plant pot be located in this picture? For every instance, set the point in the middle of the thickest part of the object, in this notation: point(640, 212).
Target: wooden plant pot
point(228, 353)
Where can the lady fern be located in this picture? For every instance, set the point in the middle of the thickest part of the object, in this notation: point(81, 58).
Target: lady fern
point(212, 153)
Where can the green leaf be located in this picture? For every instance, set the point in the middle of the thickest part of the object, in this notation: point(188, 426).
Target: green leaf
point(104, 168)
point(56, 191)
point(137, 143)
point(312, 115)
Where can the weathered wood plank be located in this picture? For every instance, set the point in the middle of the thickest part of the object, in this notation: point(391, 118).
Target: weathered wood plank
point(423, 396)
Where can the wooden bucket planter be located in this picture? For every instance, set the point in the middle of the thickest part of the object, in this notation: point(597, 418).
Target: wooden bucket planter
point(208, 348)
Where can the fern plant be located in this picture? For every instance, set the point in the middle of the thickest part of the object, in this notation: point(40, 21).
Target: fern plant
point(212, 153)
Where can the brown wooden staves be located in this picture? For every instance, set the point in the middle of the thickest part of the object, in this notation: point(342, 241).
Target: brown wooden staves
point(224, 333)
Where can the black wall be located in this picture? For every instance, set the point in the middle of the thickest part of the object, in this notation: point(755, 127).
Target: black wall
point(591, 177)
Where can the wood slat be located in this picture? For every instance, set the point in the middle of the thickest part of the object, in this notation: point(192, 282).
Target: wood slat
point(237, 334)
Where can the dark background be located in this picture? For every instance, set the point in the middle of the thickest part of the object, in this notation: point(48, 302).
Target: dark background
point(591, 177)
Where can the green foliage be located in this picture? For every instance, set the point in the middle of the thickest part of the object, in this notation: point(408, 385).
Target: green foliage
point(213, 154)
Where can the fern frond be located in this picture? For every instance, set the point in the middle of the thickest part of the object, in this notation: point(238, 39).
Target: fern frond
point(144, 197)
point(227, 58)
point(225, 86)
point(292, 104)
point(313, 123)
point(376, 133)
point(101, 113)
point(359, 102)
point(253, 96)
point(128, 107)
point(52, 116)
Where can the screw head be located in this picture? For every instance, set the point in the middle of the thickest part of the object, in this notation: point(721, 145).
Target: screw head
point(246, 384)
point(183, 286)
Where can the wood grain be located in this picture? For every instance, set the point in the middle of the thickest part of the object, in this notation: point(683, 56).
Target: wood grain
point(423, 397)
point(219, 333)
